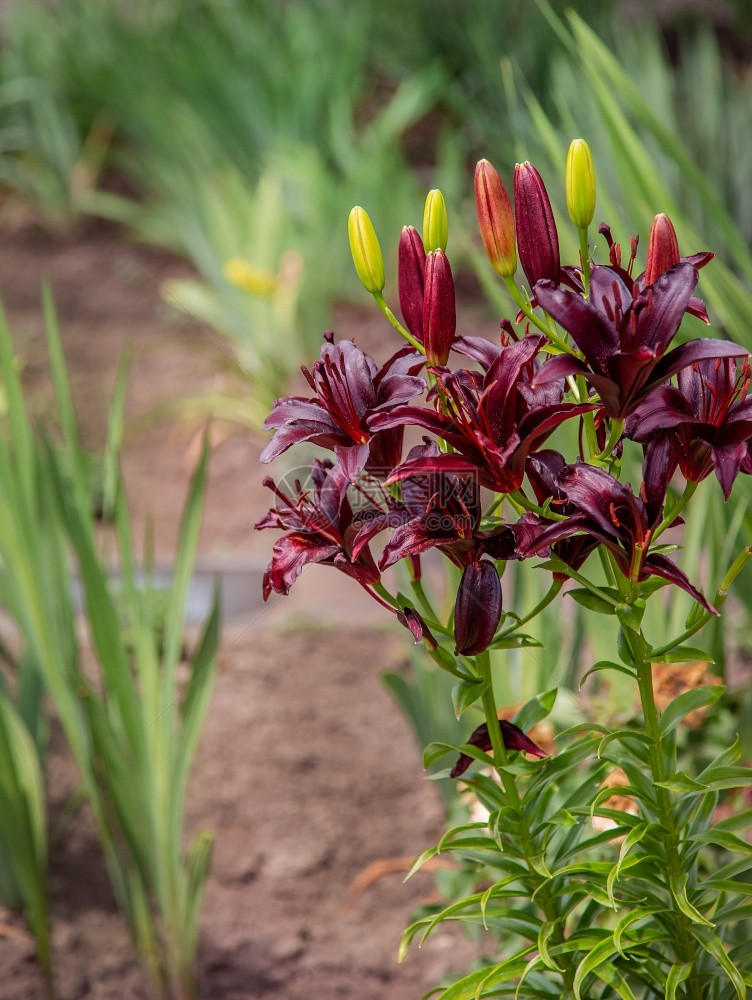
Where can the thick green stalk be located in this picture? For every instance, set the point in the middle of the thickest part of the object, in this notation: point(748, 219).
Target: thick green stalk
point(585, 259)
point(685, 942)
point(381, 303)
point(509, 784)
point(544, 327)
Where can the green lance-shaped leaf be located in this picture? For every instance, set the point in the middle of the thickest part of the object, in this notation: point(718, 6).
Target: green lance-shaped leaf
point(601, 953)
point(23, 821)
point(689, 701)
point(677, 974)
point(535, 710)
point(714, 946)
point(679, 892)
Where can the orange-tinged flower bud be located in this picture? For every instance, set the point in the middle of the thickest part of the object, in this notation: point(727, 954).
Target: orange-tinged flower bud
point(496, 219)
point(580, 184)
point(435, 222)
point(366, 252)
point(439, 314)
point(537, 238)
point(663, 249)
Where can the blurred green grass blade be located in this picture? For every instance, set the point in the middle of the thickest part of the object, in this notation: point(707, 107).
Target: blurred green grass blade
point(103, 619)
point(23, 824)
point(74, 450)
point(187, 548)
point(196, 869)
point(115, 420)
point(607, 75)
point(195, 704)
point(21, 436)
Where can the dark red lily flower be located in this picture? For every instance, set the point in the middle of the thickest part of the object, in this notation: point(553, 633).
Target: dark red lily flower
point(610, 512)
point(493, 420)
point(351, 391)
point(320, 529)
point(444, 511)
point(707, 420)
point(437, 510)
point(512, 737)
point(624, 333)
point(543, 468)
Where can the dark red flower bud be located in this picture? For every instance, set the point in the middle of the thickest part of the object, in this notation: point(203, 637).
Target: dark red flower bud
point(663, 249)
point(495, 219)
point(537, 238)
point(411, 279)
point(477, 611)
point(439, 316)
point(512, 737)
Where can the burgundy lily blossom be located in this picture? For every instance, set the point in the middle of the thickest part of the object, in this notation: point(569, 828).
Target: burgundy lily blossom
point(512, 737)
point(438, 510)
point(320, 529)
point(493, 420)
point(543, 469)
point(610, 512)
point(444, 511)
point(707, 421)
point(350, 392)
point(624, 334)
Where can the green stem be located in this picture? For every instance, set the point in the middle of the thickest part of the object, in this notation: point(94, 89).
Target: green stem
point(546, 900)
point(391, 600)
point(543, 603)
point(589, 585)
point(590, 434)
point(381, 303)
point(585, 259)
point(519, 498)
point(718, 601)
point(544, 327)
point(682, 502)
point(613, 439)
point(684, 941)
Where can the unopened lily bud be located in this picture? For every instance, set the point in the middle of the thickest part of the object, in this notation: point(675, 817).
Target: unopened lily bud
point(411, 280)
point(366, 252)
point(439, 314)
point(435, 222)
point(477, 611)
point(537, 238)
point(663, 249)
point(580, 184)
point(496, 219)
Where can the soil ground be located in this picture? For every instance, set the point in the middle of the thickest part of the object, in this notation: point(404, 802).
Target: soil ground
point(307, 773)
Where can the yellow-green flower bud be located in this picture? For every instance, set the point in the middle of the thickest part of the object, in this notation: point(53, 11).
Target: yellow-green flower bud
point(366, 252)
point(580, 184)
point(435, 222)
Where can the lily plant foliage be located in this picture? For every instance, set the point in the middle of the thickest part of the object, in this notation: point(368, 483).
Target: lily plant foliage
point(653, 904)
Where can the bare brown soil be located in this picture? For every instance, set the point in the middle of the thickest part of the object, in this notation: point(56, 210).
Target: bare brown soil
point(307, 773)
